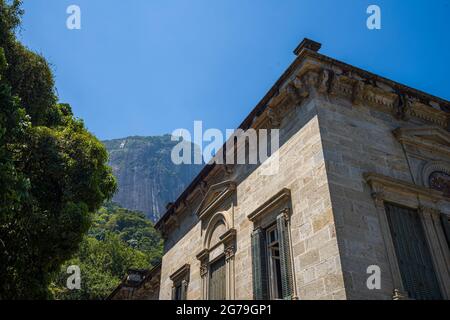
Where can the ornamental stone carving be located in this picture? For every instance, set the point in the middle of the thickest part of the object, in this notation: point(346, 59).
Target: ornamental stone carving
point(440, 181)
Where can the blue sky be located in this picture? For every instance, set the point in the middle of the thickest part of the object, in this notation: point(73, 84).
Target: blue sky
point(147, 67)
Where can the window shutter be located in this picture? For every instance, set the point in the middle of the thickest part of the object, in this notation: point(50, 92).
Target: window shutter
point(259, 265)
point(217, 280)
point(446, 225)
point(285, 257)
point(413, 254)
point(174, 293)
point(184, 285)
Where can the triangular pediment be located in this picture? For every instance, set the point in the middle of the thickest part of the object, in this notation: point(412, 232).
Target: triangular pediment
point(214, 196)
point(429, 137)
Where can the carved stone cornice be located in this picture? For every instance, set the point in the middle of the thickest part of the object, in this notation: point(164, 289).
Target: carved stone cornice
point(215, 195)
point(429, 114)
point(431, 138)
point(380, 182)
point(361, 90)
point(203, 255)
point(171, 223)
point(325, 81)
point(274, 117)
point(280, 197)
point(229, 237)
point(357, 89)
point(181, 274)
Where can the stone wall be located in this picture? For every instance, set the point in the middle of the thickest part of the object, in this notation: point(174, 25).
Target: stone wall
point(358, 139)
point(318, 272)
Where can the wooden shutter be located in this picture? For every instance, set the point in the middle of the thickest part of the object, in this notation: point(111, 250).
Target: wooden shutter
point(217, 289)
point(285, 257)
point(174, 293)
point(446, 225)
point(184, 285)
point(413, 254)
point(259, 265)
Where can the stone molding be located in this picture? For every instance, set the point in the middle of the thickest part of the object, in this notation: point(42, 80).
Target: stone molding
point(357, 88)
point(282, 196)
point(380, 184)
point(426, 202)
point(430, 138)
point(215, 195)
point(431, 167)
point(228, 244)
point(182, 274)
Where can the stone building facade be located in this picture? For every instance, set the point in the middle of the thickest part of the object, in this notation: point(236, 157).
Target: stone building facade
point(363, 186)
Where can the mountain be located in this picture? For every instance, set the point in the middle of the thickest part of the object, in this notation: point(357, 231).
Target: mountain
point(147, 177)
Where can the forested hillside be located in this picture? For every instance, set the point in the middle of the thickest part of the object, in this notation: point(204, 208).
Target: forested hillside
point(118, 239)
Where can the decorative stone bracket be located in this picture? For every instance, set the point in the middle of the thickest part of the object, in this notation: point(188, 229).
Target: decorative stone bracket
point(341, 80)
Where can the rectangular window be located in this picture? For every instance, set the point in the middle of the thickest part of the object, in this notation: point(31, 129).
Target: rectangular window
point(274, 264)
point(217, 289)
point(180, 280)
point(272, 270)
point(413, 254)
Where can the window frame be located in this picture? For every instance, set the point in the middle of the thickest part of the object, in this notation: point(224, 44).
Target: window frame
point(272, 275)
point(424, 200)
point(180, 279)
point(267, 215)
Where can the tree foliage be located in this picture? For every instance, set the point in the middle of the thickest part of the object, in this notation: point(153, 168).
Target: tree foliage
point(119, 239)
point(53, 172)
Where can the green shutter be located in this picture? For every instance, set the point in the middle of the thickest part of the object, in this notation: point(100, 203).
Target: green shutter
point(184, 285)
point(259, 265)
point(174, 293)
point(413, 254)
point(285, 257)
point(217, 280)
point(446, 225)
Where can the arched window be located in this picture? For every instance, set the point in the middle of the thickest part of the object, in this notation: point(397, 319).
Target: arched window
point(217, 259)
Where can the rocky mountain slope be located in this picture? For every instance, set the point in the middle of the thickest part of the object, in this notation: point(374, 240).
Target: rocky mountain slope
point(146, 176)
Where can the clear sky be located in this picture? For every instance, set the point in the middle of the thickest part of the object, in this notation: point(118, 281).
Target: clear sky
point(147, 67)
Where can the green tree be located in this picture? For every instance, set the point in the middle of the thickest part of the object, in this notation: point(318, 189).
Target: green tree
point(53, 172)
point(118, 239)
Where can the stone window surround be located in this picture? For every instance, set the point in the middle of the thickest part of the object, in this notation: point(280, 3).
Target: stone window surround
point(427, 203)
point(226, 248)
point(181, 276)
point(282, 199)
point(211, 216)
